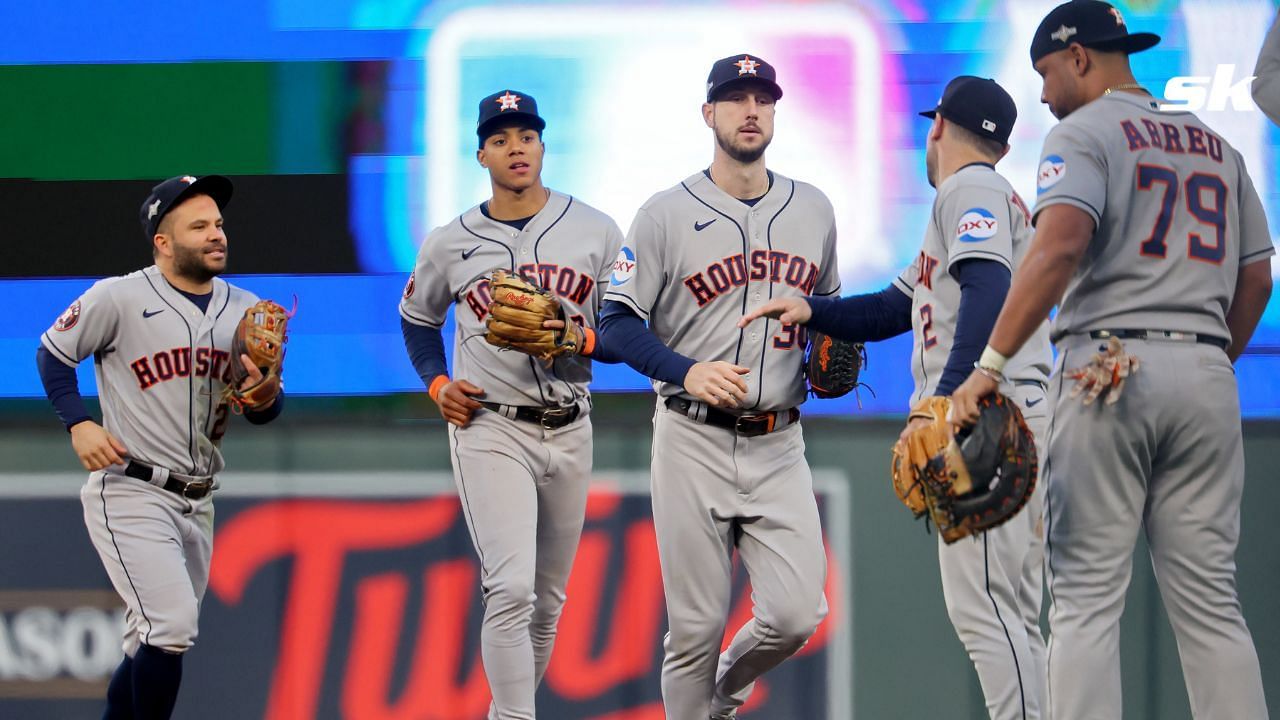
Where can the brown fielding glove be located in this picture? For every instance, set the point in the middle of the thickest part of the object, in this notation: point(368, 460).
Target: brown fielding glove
point(516, 314)
point(1106, 372)
point(832, 366)
point(261, 334)
point(971, 482)
point(910, 456)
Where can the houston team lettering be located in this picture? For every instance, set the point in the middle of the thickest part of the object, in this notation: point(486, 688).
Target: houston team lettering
point(926, 264)
point(176, 363)
point(564, 281)
point(732, 272)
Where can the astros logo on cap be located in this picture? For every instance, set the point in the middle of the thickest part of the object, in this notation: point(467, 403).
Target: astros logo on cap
point(188, 179)
point(508, 102)
point(747, 66)
point(1119, 17)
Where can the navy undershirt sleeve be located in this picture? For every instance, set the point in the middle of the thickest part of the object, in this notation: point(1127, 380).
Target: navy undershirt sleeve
point(983, 287)
point(426, 350)
point(630, 340)
point(62, 388)
point(862, 318)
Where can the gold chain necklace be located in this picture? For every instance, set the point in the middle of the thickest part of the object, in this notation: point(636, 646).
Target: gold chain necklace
point(1126, 86)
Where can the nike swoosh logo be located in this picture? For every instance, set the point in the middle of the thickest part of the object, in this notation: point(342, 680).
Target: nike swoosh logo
point(466, 254)
point(146, 314)
point(699, 227)
point(1033, 403)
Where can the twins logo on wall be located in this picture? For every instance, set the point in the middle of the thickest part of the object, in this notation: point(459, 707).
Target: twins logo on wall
point(370, 610)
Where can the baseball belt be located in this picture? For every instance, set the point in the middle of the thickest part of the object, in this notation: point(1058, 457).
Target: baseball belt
point(745, 425)
point(550, 418)
point(1166, 335)
point(188, 486)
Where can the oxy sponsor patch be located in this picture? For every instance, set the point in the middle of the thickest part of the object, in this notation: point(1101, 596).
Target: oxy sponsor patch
point(624, 268)
point(1052, 169)
point(976, 224)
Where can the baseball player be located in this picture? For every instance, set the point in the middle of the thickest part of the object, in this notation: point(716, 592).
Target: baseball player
point(949, 298)
point(160, 339)
point(728, 457)
point(1150, 224)
point(1266, 83)
point(519, 429)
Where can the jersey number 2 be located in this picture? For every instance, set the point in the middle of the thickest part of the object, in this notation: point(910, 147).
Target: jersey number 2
point(1196, 187)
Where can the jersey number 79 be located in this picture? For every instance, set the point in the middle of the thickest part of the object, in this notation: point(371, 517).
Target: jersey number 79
point(1195, 189)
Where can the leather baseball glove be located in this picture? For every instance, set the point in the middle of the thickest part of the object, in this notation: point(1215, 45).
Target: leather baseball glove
point(1106, 371)
point(261, 334)
point(970, 482)
point(832, 366)
point(516, 314)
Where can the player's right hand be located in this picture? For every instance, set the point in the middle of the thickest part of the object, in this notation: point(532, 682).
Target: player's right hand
point(717, 383)
point(96, 447)
point(788, 310)
point(456, 405)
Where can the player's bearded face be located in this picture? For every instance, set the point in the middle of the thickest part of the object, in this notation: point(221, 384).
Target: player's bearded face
point(197, 240)
point(513, 157)
point(1060, 90)
point(743, 123)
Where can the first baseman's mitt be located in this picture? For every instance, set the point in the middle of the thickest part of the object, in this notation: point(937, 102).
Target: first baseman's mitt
point(832, 366)
point(516, 314)
point(261, 334)
point(1106, 371)
point(970, 482)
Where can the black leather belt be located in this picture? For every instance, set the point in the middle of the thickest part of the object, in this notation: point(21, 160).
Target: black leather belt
point(551, 418)
point(747, 425)
point(1170, 335)
point(192, 489)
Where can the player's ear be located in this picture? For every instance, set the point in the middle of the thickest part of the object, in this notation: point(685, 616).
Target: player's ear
point(935, 131)
point(708, 114)
point(480, 157)
point(1005, 151)
point(1079, 58)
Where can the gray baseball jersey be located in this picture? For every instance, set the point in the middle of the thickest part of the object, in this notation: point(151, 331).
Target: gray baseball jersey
point(567, 247)
point(1184, 216)
point(1176, 217)
point(697, 259)
point(991, 583)
point(523, 486)
point(161, 366)
point(976, 215)
point(1266, 83)
point(160, 362)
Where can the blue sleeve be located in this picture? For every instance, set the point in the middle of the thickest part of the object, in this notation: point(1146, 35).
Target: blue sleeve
point(630, 340)
point(267, 414)
point(426, 350)
point(62, 388)
point(862, 318)
point(983, 286)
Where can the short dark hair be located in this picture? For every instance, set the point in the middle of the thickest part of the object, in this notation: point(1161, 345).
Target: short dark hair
point(493, 128)
point(989, 147)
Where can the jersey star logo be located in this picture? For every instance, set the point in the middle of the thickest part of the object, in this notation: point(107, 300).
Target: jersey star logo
point(508, 102)
point(747, 66)
point(1062, 33)
point(1119, 17)
point(153, 210)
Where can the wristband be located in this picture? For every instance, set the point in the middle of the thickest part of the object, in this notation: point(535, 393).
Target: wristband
point(992, 360)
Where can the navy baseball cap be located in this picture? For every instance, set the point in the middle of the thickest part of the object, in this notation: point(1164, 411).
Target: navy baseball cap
point(508, 104)
point(1093, 24)
point(736, 69)
point(978, 105)
point(168, 194)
